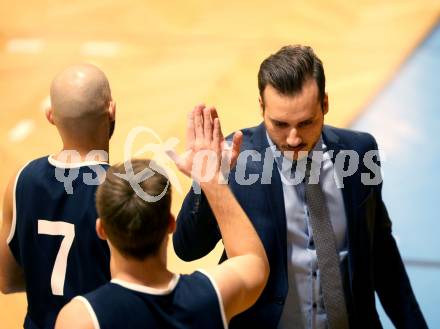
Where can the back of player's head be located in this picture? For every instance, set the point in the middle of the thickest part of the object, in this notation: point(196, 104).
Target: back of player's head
point(135, 227)
point(80, 97)
point(289, 68)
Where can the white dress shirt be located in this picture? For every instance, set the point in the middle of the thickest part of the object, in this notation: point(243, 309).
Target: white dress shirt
point(304, 305)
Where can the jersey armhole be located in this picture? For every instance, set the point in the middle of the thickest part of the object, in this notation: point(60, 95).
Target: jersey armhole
point(14, 207)
point(219, 296)
point(90, 310)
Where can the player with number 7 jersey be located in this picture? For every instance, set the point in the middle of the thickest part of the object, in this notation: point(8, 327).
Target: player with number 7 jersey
point(48, 243)
point(53, 237)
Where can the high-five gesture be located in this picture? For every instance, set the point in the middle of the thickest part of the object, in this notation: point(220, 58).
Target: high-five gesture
point(242, 277)
point(206, 151)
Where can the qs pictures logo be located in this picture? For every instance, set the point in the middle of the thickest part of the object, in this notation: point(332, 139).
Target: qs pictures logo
point(156, 151)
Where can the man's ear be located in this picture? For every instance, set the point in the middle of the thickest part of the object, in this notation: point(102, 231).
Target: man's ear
point(171, 224)
point(48, 111)
point(112, 110)
point(100, 230)
point(325, 105)
point(260, 100)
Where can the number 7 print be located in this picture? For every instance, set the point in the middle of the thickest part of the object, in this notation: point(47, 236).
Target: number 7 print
point(59, 270)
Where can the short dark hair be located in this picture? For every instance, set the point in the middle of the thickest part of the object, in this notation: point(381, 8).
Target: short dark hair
point(289, 68)
point(135, 227)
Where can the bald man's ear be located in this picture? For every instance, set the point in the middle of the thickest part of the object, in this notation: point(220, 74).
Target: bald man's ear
point(49, 115)
point(100, 230)
point(112, 110)
point(171, 224)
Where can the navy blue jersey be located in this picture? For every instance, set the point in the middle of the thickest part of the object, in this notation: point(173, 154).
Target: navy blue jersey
point(190, 302)
point(53, 236)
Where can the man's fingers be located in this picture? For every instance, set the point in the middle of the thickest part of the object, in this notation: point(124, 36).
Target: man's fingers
point(198, 124)
point(214, 115)
point(207, 125)
point(237, 139)
point(216, 135)
point(173, 156)
point(190, 134)
point(180, 161)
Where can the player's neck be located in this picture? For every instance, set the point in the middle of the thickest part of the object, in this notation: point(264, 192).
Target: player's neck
point(151, 272)
point(85, 146)
point(84, 150)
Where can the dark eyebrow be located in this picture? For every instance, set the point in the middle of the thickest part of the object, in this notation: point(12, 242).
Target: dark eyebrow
point(278, 122)
point(307, 121)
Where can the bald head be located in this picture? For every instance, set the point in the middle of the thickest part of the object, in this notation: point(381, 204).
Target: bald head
point(81, 103)
point(82, 108)
point(80, 97)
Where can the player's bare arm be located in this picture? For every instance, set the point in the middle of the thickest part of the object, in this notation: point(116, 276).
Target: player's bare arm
point(11, 274)
point(74, 315)
point(243, 276)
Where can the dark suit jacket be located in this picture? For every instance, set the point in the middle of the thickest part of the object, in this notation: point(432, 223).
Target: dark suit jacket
point(374, 261)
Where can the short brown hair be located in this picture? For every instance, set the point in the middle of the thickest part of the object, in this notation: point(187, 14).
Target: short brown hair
point(289, 68)
point(135, 227)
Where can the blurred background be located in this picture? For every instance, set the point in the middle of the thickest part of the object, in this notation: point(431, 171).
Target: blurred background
point(382, 63)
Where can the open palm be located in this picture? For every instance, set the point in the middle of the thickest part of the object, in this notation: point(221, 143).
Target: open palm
point(207, 154)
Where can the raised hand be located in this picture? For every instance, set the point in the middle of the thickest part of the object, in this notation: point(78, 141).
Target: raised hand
point(230, 152)
point(206, 149)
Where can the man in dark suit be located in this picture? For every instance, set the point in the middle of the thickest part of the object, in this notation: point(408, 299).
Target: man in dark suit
point(328, 236)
